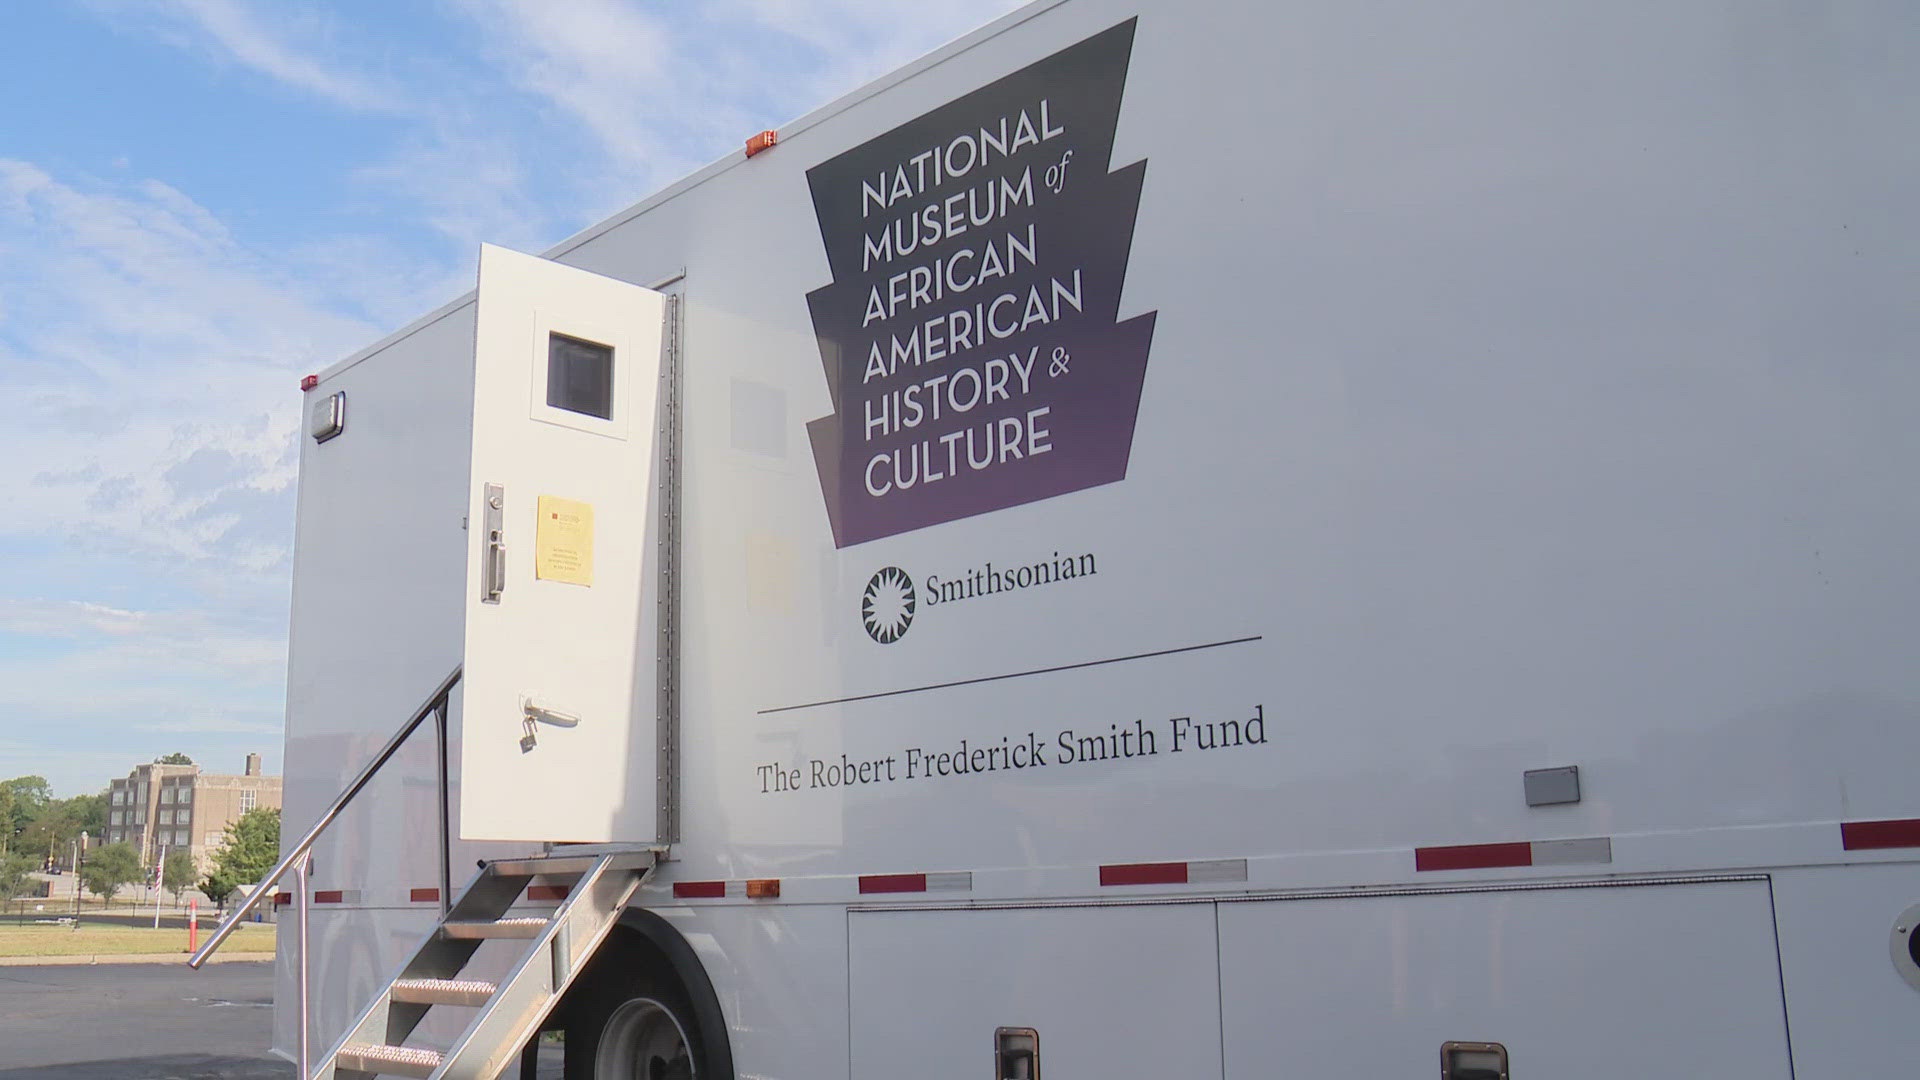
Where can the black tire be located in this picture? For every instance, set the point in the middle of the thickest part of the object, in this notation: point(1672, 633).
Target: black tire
point(628, 1019)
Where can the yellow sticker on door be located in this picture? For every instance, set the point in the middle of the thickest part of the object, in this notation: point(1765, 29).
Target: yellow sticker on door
point(563, 542)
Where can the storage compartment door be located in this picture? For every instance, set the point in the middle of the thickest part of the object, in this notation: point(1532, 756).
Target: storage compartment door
point(558, 729)
point(1575, 983)
point(1105, 991)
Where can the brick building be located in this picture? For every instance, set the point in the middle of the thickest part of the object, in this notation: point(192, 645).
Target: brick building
point(169, 807)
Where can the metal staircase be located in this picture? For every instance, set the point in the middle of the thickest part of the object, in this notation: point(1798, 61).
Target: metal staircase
point(507, 1014)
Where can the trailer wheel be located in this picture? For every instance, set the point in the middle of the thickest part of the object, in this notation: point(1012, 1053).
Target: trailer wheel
point(634, 1027)
point(643, 1040)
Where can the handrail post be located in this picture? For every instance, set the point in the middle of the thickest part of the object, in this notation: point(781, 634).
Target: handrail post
point(437, 700)
point(446, 834)
point(300, 870)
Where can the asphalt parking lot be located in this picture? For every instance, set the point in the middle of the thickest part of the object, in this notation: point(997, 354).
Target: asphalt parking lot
point(138, 1022)
point(148, 1022)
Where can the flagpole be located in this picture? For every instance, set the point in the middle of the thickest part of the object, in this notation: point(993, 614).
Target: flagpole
point(159, 865)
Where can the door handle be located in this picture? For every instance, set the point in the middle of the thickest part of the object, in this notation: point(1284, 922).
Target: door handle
point(1016, 1053)
point(493, 556)
point(547, 714)
point(1473, 1061)
point(533, 712)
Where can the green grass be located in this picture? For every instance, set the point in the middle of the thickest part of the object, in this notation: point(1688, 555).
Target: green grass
point(38, 939)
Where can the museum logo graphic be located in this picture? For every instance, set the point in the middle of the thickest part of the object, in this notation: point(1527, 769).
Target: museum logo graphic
point(888, 602)
point(971, 337)
point(886, 605)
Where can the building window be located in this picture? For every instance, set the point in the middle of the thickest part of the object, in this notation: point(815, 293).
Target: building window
point(119, 796)
point(114, 818)
point(247, 800)
point(179, 838)
point(139, 817)
point(186, 795)
point(142, 797)
point(214, 840)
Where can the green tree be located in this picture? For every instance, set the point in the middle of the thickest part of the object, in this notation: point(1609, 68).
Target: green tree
point(175, 758)
point(89, 812)
point(57, 823)
point(218, 885)
point(105, 869)
point(177, 874)
point(251, 847)
point(21, 798)
point(15, 875)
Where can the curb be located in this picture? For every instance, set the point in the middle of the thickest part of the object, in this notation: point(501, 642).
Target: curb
point(137, 958)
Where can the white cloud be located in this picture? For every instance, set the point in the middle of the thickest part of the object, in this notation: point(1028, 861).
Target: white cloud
point(114, 641)
point(149, 351)
point(86, 767)
point(626, 96)
point(470, 185)
point(262, 39)
point(211, 725)
point(856, 41)
point(616, 71)
point(66, 619)
point(151, 362)
point(664, 89)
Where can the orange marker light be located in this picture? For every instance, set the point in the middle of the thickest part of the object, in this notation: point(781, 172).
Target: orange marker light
point(763, 889)
point(754, 145)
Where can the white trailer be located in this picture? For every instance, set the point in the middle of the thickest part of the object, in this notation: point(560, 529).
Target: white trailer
point(1164, 539)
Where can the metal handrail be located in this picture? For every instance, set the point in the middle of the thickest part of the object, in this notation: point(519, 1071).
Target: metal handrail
point(299, 860)
point(436, 704)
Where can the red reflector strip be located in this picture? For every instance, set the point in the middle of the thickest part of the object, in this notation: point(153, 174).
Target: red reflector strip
point(328, 896)
point(1868, 835)
point(893, 883)
point(422, 896)
point(1472, 856)
point(281, 899)
point(547, 892)
point(701, 890)
point(1146, 873)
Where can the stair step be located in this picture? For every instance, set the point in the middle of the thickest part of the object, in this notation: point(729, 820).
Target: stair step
point(569, 865)
point(592, 890)
point(550, 867)
point(388, 1060)
point(443, 991)
point(519, 927)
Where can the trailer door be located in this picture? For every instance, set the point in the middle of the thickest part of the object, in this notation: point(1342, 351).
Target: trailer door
point(1581, 983)
point(1109, 991)
point(557, 725)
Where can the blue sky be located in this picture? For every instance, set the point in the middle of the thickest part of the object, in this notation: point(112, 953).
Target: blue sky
point(202, 200)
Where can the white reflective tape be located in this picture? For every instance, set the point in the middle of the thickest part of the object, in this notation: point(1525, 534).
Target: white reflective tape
point(1592, 849)
point(1216, 870)
point(957, 881)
